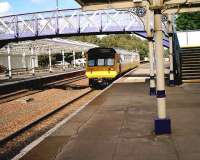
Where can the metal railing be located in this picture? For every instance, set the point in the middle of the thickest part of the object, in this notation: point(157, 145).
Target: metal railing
point(177, 60)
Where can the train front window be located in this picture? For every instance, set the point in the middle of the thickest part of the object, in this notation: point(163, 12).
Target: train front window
point(100, 62)
point(91, 63)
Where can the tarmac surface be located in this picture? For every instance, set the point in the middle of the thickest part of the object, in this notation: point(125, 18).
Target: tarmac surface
point(119, 125)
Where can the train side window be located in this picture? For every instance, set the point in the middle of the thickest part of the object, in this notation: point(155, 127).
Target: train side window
point(91, 63)
point(100, 62)
point(109, 62)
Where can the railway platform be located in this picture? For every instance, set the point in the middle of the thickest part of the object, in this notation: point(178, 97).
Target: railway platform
point(119, 123)
point(32, 83)
point(17, 78)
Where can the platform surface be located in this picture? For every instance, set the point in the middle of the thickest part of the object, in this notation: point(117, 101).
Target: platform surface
point(26, 77)
point(118, 125)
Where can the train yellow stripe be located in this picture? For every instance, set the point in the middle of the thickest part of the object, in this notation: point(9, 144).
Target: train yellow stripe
point(101, 74)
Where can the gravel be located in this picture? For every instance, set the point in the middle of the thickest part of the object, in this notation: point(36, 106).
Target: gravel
point(20, 112)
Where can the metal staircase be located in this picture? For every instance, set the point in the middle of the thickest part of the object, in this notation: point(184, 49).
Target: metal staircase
point(190, 63)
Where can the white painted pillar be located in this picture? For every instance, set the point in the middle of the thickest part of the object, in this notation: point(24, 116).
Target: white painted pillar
point(159, 52)
point(152, 75)
point(32, 61)
point(170, 33)
point(83, 56)
point(74, 59)
point(50, 63)
point(149, 29)
point(24, 60)
point(162, 123)
point(9, 63)
point(63, 60)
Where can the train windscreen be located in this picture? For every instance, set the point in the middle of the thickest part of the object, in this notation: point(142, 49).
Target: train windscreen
point(101, 57)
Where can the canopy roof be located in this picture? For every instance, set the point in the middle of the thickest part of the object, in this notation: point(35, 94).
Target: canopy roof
point(42, 46)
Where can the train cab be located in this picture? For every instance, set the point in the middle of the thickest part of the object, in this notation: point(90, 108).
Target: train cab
point(103, 65)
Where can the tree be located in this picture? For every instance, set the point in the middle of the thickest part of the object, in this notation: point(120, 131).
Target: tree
point(188, 21)
point(124, 41)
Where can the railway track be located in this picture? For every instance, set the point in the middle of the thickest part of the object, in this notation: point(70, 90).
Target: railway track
point(29, 91)
point(39, 120)
point(17, 140)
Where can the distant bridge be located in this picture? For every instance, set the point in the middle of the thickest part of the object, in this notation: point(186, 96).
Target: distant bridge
point(68, 22)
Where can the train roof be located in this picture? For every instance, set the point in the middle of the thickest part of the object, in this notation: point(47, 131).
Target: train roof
point(101, 50)
point(110, 51)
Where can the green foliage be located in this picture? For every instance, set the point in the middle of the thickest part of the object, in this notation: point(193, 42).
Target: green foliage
point(188, 21)
point(43, 60)
point(124, 41)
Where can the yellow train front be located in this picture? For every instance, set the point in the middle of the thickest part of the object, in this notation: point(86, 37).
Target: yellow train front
point(103, 65)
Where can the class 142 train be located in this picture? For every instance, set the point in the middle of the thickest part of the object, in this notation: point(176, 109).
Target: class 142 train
point(103, 65)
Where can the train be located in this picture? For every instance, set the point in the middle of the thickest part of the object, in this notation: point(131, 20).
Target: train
point(104, 65)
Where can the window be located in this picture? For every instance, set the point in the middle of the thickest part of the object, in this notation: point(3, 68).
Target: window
point(100, 62)
point(91, 63)
point(109, 62)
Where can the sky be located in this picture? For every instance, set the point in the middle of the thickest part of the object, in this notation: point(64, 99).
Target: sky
point(24, 6)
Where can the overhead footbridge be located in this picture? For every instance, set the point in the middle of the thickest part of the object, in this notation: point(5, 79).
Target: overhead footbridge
point(73, 22)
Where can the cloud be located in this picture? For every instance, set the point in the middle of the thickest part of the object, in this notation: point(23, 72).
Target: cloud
point(4, 7)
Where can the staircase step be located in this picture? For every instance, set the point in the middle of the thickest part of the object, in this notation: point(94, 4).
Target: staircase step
point(190, 74)
point(190, 56)
point(192, 81)
point(190, 68)
point(190, 49)
point(191, 71)
point(190, 77)
point(190, 62)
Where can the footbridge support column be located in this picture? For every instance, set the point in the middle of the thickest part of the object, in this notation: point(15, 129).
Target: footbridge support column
point(170, 33)
point(162, 123)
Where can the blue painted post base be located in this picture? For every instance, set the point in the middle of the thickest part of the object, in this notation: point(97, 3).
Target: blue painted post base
point(162, 126)
point(153, 91)
point(171, 83)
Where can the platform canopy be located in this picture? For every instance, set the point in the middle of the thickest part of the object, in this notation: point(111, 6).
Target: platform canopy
point(41, 47)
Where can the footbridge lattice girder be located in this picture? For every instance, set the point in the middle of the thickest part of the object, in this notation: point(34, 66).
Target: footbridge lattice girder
point(68, 22)
point(71, 22)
